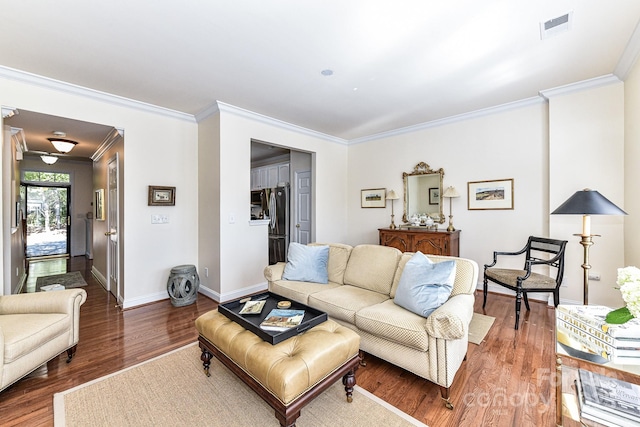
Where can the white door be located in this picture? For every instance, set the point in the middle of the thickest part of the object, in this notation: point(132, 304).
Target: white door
point(113, 246)
point(302, 232)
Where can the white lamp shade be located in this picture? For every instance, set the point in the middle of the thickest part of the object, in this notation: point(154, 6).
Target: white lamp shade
point(391, 195)
point(451, 192)
point(63, 145)
point(49, 159)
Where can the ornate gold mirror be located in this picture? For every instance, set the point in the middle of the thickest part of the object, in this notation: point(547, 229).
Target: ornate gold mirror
point(423, 193)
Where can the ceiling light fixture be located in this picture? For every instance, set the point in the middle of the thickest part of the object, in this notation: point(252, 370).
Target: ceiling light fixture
point(63, 145)
point(49, 159)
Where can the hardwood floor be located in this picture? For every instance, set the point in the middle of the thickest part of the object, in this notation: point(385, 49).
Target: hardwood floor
point(508, 380)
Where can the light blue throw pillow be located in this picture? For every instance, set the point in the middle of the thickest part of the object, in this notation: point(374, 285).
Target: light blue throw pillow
point(307, 263)
point(424, 285)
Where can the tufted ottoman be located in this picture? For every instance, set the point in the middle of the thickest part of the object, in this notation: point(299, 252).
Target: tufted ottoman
point(287, 375)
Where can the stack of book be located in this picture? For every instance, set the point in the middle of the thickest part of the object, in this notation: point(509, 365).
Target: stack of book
point(584, 328)
point(607, 400)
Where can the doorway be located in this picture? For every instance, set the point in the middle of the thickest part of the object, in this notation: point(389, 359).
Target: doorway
point(47, 221)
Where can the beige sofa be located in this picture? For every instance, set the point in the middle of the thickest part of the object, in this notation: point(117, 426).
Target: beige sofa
point(35, 328)
point(362, 284)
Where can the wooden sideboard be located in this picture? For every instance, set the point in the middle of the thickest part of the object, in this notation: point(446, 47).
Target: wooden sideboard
point(432, 242)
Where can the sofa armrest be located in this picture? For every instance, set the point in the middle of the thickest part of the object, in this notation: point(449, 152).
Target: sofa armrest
point(63, 301)
point(274, 272)
point(451, 320)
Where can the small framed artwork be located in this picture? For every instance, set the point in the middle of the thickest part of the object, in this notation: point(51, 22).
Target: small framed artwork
point(434, 196)
point(496, 194)
point(98, 205)
point(162, 196)
point(373, 198)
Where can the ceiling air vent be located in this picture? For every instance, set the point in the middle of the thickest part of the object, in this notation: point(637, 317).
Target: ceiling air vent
point(556, 26)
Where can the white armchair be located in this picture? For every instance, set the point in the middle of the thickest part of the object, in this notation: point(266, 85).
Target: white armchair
point(35, 328)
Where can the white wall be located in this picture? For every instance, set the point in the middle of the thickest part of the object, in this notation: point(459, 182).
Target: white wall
point(511, 144)
point(160, 149)
point(209, 205)
point(244, 247)
point(163, 149)
point(631, 169)
point(587, 151)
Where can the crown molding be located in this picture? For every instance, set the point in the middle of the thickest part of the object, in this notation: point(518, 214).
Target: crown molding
point(49, 83)
point(108, 141)
point(580, 86)
point(207, 112)
point(452, 119)
point(8, 112)
point(629, 56)
point(219, 106)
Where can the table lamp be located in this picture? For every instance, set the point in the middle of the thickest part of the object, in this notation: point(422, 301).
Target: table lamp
point(450, 193)
point(391, 195)
point(587, 202)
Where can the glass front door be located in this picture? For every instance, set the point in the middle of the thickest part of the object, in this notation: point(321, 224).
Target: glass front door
point(47, 221)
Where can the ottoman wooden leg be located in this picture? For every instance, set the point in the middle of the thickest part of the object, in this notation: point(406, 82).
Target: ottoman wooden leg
point(349, 380)
point(206, 361)
point(287, 420)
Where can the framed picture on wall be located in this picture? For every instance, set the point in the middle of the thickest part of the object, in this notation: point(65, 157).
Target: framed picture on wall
point(98, 205)
point(373, 198)
point(162, 196)
point(496, 194)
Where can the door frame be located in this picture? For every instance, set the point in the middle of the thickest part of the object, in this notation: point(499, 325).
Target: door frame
point(114, 279)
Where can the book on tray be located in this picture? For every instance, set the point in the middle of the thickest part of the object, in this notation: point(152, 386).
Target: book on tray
point(580, 339)
point(608, 400)
point(592, 317)
point(253, 307)
point(282, 320)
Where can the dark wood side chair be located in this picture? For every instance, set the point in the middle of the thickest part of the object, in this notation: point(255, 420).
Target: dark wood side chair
point(538, 251)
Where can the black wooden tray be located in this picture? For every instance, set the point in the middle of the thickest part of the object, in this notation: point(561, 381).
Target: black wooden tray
point(251, 322)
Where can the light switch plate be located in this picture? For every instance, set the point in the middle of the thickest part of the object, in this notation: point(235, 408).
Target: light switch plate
point(159, 219)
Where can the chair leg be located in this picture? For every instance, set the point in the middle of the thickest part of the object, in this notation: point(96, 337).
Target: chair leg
point(526, 301)
point(518, 300)
point(556, 297)
point(484, 288)
point(71, 352)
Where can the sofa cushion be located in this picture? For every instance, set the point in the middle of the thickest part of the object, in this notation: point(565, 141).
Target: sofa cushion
point(396, 278)
point(25, 333)
point(424, 285)
point(307, 263)
point(299, 291)
point(372, 267)
point(392, 322)
point(338, 258)
point(466, 279)
point(343, 302)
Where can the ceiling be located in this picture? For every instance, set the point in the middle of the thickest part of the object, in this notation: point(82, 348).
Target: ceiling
point(395, 64)
point(37, 127)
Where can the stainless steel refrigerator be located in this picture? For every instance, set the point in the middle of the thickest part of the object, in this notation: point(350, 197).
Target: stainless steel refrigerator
point(278, 224)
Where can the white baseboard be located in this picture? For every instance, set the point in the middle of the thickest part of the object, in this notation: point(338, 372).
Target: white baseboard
point(230, 296)
point(216, 296)
point(99, 277)
point(130, 303)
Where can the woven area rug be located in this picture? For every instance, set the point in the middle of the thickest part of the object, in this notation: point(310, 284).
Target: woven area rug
point(479, 327)
point(68, 280)
point(172, 390)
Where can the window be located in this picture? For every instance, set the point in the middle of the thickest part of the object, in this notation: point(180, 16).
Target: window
point(45, 177)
